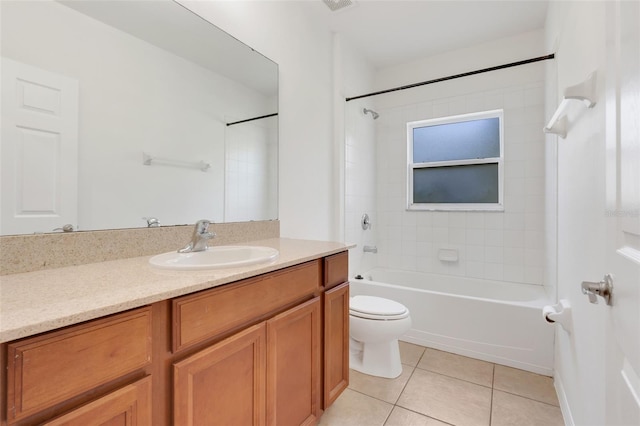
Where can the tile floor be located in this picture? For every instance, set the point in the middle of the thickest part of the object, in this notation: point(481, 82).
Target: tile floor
point(440, 388)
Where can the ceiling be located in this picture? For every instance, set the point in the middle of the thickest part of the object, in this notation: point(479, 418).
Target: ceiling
point(391, 32)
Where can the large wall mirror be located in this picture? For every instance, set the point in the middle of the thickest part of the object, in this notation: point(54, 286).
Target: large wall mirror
point(118, 112)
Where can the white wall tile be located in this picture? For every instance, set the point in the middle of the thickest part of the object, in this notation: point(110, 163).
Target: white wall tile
point(475, 253)
point(475, 220)
point(494, 255)
point(424, 234)
point(513, 256)
point(440, 219)
point(494, 237)
point(440, 235)
point(457, 236)
point(493, 220)
point(493, 271)
point(504, 245)
point(475, 269)
point(477, 237)
point(513, 273)
point(513, 238)
point(458, 220)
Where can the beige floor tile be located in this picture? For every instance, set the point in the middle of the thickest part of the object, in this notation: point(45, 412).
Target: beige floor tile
point(410, 354)
point(355, 409)
point(447, 399)
point(460, 367)
point(509, 410)
point(524, 383)
point(378, 387)
point(401, 417)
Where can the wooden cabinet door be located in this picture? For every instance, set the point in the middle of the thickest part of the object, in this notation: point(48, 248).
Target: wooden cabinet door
point(128, 406)
point(293, 366)
point(336, 342)
point(54, 367)
point(223, 384)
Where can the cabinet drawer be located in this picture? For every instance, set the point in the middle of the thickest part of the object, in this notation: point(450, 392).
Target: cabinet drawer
point(336, 269)
point(212, 312)
point(49, 369)
point(130, 405)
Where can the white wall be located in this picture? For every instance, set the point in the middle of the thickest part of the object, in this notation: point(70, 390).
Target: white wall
point(125, 111)
point(576, 30)
point(303, 51)
point(505, 245)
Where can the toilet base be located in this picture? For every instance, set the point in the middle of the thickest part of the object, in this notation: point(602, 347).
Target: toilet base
point(376, 359)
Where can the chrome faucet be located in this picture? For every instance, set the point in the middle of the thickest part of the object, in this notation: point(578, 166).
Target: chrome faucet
point(152, 222)
point(200, 237)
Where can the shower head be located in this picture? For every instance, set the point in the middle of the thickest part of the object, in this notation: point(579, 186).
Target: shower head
point(374, 114)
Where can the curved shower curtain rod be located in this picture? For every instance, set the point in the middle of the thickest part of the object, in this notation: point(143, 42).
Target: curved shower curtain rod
point(451, 77)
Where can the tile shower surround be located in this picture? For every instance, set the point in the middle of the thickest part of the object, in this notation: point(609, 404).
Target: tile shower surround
point(504, 246)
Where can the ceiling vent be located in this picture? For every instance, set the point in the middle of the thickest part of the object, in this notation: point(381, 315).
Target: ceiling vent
point(336, 5)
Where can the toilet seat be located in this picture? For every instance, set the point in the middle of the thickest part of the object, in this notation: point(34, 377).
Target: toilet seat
point(376, 308)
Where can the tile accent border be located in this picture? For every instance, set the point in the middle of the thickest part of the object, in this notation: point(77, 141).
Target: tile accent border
point(28, 253)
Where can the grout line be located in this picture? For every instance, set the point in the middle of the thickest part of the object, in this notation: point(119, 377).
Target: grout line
point(370, 396)
point(405, 386)
point(493, 379)
point(527, 397)
point(492, 387)
point(424, 415)
point(456, 378)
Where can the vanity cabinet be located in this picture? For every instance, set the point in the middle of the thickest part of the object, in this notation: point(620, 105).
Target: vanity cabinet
point(49, 372)
point(266, 374)
point(266, 350)
point(127, 406)
point(293, 366)
point(223, 384)
point(336, 327)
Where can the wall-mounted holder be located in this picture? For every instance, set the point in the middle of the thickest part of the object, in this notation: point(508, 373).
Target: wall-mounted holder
point(448, 255)
point(584, 92)
point(559, 313)
point(148, 160)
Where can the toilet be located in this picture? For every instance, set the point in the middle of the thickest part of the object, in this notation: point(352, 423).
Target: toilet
point(375, 325)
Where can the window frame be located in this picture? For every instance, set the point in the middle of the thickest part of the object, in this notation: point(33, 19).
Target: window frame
point(411, 166)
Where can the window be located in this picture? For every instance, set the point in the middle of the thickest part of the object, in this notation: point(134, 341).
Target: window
point(456, 163)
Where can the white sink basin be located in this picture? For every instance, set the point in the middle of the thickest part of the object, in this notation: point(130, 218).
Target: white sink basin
point(215, 258)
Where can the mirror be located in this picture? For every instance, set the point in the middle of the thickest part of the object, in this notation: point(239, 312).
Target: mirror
point(118, 112)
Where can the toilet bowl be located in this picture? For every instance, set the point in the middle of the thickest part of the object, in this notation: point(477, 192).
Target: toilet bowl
point(375, 324)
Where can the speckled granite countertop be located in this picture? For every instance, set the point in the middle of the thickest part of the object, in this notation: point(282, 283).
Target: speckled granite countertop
point(34, 302)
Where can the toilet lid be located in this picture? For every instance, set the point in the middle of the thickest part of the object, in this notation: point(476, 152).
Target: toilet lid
point(376, 307)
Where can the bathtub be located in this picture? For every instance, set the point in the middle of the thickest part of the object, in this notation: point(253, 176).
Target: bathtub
point(493, 321)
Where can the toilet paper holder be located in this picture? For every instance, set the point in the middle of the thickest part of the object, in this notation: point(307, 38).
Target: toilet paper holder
point(559, 313)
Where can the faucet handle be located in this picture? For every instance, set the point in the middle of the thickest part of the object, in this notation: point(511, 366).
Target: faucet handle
point(202, 225)
point(202, 230)
point(151, 221)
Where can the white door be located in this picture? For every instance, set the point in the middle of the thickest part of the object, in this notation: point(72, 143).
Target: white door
point(39, 150)
point(623, 211)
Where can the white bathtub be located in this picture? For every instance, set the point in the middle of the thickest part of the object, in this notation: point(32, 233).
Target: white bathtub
point(489, 320)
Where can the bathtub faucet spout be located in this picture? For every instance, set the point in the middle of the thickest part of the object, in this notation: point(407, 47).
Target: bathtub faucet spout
point(370, 249)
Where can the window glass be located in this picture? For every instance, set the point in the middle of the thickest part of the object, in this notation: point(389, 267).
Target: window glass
point(477, 183)
point(457, 141)
point(456, 162)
